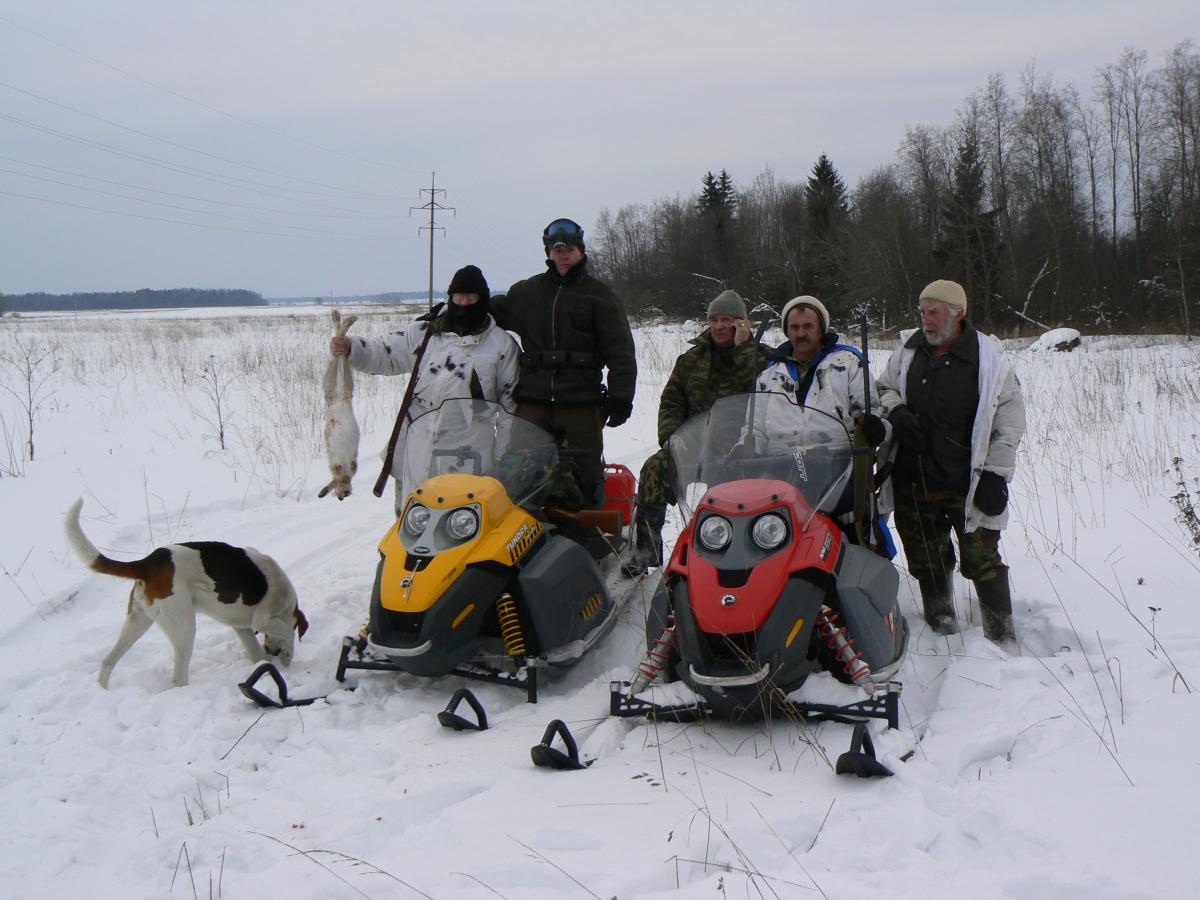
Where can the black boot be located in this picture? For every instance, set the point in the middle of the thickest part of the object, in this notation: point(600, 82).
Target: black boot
point(937, 600)
point(647, 549)
point(995, 605)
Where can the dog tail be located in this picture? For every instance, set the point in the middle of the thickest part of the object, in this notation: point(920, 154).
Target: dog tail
point(91, 556)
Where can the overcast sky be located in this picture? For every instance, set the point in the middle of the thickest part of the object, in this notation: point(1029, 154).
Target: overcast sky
point(315, 123)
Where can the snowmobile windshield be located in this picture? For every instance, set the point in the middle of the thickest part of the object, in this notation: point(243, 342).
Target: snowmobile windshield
point(478, 437)
point(762, 436)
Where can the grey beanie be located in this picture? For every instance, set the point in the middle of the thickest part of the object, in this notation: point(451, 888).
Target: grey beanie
point(727, 303)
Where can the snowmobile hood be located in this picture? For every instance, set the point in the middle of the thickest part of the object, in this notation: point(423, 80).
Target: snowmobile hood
point(449, 491)
point(420, 566)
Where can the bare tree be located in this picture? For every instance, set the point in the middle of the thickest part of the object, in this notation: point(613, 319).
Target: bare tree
point(1088, 125)
point(1137, 114)
point(1108, 92)
point(34, 365)
point(1177, 89)
point(997, 124)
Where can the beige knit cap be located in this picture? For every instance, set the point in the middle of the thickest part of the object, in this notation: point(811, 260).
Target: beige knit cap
point(949, 292)
point(812, 303)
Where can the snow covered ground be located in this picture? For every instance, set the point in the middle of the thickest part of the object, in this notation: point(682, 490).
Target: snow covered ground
point(1068, 771)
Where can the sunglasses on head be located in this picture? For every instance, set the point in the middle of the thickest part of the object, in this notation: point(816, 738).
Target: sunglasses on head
point(562, 231)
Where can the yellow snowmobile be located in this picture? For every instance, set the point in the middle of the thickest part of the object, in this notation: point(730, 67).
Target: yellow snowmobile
point(475, 578)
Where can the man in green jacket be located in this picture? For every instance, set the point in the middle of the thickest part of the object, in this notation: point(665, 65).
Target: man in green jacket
point(572, 327)
point(722, 360)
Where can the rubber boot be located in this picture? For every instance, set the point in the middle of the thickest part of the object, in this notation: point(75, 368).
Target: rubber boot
point(937, 600)
point(647, 548)
point(995, 606)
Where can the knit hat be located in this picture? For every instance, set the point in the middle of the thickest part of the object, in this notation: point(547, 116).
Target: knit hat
point(949, 292)
point(727, 303)
point(469, 280)
point(812, 303)
point(562, 231)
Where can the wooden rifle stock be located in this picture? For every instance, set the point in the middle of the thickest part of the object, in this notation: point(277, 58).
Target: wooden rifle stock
point(381, 481)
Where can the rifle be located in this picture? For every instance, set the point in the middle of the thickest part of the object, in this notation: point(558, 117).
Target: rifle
point(381, 481)
point(768, 316)
point(864, 476)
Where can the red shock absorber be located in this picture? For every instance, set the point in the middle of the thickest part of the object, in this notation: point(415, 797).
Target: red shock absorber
point(842, 646)
point(656, 658)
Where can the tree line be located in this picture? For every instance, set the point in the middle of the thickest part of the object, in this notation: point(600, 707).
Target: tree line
point(143, 299)
point(1052, 205)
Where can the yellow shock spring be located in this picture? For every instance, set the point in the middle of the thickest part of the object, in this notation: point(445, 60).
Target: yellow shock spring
point(510, 626)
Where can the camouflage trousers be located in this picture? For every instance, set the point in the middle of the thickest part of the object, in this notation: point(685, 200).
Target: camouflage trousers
point(656, 490)
point(924, 520)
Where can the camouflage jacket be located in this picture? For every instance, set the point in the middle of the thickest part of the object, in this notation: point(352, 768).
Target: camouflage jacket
point(704, 374)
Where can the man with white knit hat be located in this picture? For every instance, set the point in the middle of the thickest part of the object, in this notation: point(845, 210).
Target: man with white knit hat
point(817, 371)
point(957, 415)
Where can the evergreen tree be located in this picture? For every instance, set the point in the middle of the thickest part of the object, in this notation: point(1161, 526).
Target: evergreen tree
point(717, 205)
point(968, 251)
point(828, 212)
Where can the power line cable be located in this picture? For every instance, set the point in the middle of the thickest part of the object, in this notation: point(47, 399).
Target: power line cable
point(130, 215)
point(80, 187)
point(137, 187)
point(346, 191)
point(201, 103)
point(230, 181)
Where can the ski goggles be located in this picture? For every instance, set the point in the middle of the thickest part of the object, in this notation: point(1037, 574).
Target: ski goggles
point(562, 231)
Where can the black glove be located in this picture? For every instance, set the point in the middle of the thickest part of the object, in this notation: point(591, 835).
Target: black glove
point(991, 494)
point(618, 411)
point(873, 429)
point(910, 434)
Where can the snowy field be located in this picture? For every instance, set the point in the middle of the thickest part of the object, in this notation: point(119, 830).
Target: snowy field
point(1069, 770)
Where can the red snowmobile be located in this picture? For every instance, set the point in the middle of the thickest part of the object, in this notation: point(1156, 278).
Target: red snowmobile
point(764, 587)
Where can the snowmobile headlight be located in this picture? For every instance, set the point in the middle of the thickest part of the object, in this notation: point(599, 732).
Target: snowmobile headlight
point(462, 524)
point(769, 531)
point(416, 519)
point(715, 533)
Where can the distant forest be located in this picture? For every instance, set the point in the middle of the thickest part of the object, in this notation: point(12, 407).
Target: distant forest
point(143, 299)
point(1052, 204)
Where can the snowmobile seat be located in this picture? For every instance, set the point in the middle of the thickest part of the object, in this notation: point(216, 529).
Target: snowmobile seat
point(608, 521)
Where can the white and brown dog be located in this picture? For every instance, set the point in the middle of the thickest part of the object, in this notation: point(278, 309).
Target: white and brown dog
point(241, 587)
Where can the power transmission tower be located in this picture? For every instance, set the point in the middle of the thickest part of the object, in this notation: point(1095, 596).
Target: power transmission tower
point(434, 207)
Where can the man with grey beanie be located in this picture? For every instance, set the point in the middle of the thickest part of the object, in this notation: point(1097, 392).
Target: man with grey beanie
point(957, 414)
point(722, 360)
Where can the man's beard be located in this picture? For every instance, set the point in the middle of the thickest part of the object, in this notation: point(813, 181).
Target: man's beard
point(942, 335)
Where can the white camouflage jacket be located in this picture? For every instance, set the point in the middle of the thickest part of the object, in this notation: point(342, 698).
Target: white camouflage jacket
point(482, 366)
point(837, 382)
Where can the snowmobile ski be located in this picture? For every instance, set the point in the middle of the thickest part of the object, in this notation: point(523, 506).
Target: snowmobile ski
point(449, 718)
point(250, 690)
point(545, 755)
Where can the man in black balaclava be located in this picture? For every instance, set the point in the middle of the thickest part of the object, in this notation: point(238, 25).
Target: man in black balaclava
point(466, 354)
point(469, 296)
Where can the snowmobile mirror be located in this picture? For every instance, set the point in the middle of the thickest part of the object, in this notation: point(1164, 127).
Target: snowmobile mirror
point(860, 758)
point(551, 757)
point(451, 719)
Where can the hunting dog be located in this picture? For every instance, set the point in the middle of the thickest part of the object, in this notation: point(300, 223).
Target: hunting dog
point(241, 587)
